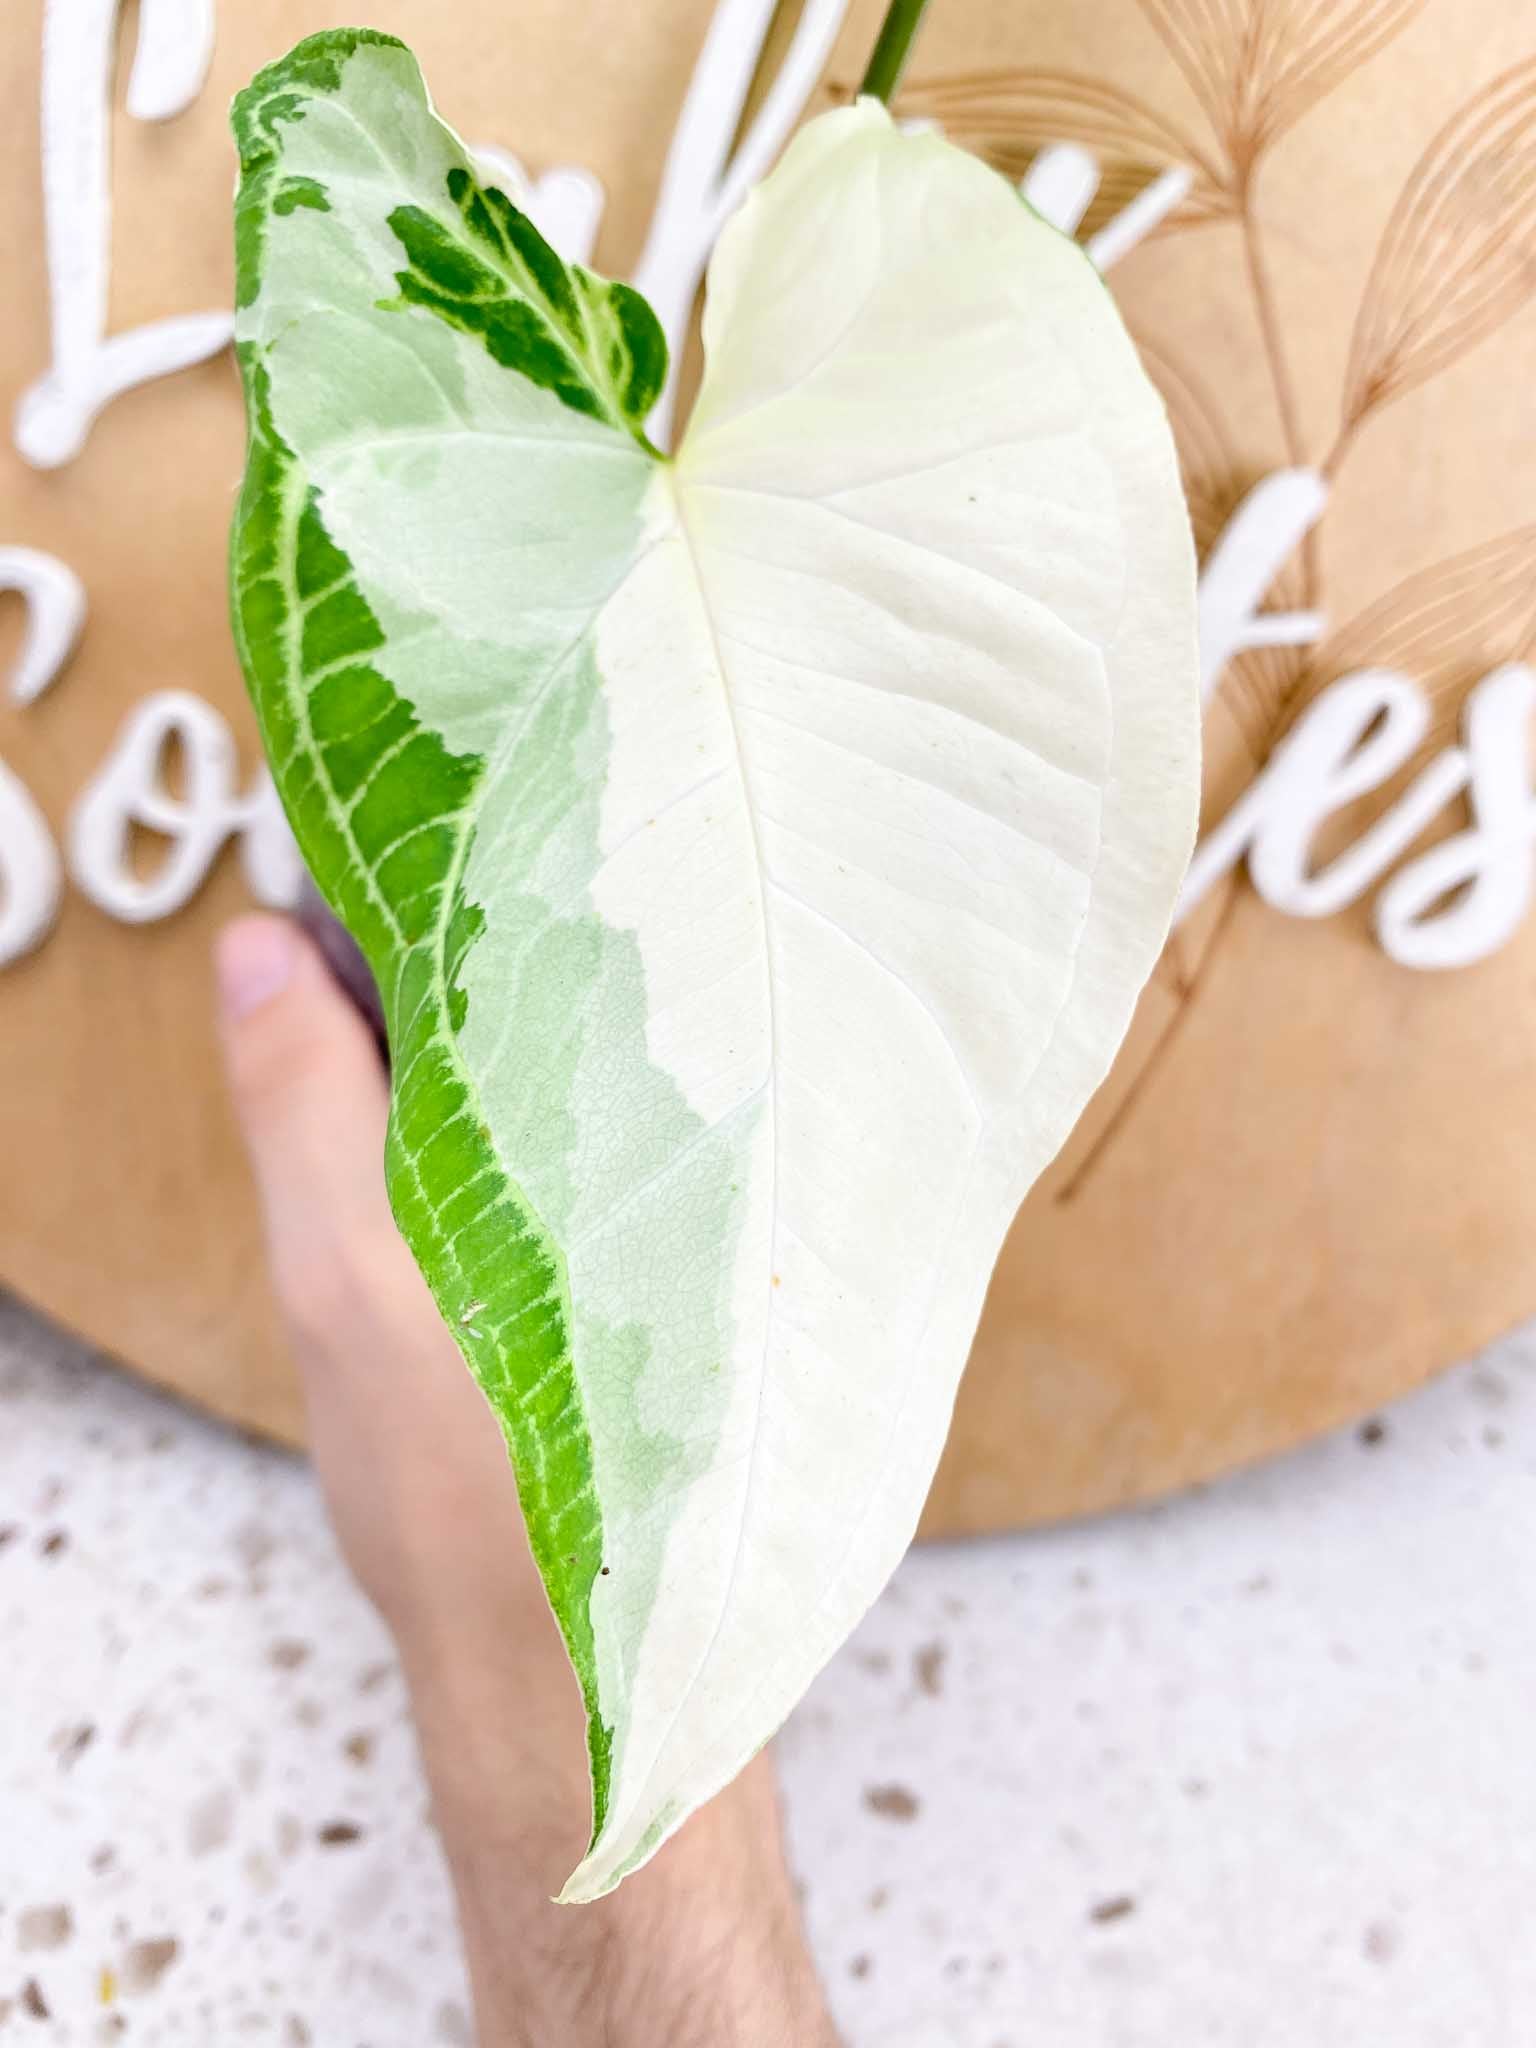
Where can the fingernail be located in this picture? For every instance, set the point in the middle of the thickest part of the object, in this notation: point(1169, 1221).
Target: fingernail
point(253, 962)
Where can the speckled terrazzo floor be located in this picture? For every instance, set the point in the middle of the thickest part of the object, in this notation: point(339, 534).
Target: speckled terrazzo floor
point(1251, 1769)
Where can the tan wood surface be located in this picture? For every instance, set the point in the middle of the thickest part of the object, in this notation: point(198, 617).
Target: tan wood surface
point(1307, 1185)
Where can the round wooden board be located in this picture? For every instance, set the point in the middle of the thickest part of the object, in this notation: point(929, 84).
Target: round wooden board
point(1306, 1186)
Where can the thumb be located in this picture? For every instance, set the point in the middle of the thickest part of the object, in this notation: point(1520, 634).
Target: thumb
point(308, 1091)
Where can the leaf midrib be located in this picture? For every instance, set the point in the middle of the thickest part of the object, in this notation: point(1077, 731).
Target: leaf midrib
point(677, 492)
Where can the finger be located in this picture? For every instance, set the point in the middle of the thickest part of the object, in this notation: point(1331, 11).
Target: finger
point(411, 1457)
point(307, 1087)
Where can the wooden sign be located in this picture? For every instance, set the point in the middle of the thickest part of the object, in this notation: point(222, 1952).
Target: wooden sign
point(1305, 1186)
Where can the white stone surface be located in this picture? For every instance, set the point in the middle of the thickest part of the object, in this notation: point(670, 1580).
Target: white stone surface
point(1249, 1769)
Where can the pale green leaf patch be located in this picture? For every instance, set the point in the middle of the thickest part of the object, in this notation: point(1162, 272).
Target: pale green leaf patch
point(759, 852)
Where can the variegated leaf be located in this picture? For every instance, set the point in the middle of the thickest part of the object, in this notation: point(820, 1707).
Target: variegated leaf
point(759, 852)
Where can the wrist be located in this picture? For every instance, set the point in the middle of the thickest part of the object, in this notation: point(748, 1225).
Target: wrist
point(688, 1951)
point(702, 1945)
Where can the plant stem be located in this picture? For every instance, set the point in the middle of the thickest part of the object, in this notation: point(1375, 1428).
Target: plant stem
point(889, 59)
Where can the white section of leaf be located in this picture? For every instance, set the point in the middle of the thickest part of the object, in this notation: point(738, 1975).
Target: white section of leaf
point(680, 866)
point(934, 522)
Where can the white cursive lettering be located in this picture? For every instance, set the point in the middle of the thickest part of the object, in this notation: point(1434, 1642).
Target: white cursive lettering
point(55, 601)
point(1266, 527)
point(89, 369)
point(131, 790)
point(1469, 895)
point(1061, 183)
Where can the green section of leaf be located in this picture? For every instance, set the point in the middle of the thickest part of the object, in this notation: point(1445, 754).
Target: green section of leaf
point(597, 346)
point(384, 814)
point(479, 263)
point(441, 742)
point(300, 192)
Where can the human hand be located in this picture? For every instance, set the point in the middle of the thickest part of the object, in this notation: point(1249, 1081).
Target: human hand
point(704, 1944)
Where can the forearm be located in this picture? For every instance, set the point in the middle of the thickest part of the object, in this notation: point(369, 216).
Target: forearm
point(703, 1946)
